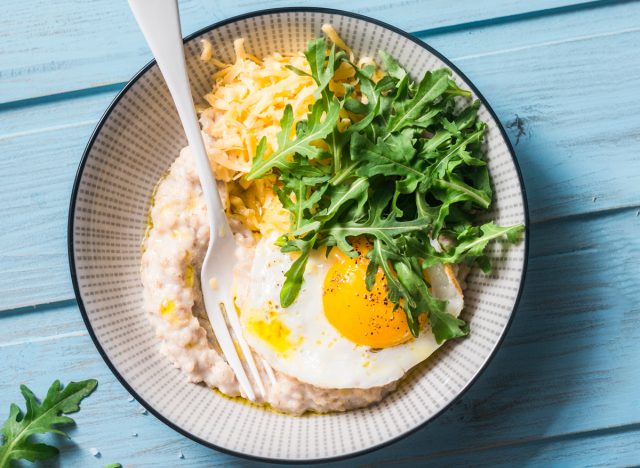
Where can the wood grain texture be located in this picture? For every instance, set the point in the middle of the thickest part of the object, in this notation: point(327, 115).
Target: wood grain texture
point(36, 200)
point(608, 447)
point(66, 46)
point(549, 94)
point(561, 74)
point(570, 353)
point(572, 165)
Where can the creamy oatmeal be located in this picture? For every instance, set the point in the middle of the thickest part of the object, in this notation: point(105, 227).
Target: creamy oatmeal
point(174, 250)
point(353, 208)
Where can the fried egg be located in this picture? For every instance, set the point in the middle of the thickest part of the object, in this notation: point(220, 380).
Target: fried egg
point(336, 334)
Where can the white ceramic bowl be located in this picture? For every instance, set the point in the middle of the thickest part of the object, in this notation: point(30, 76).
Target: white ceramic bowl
point(136, 141)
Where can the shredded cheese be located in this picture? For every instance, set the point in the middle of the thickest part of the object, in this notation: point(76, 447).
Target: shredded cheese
point(246, 103)
point(207, 50)
point(337, 40)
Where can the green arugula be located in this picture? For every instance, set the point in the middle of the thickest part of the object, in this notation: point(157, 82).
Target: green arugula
point(322, 67)
point(315, 128)
point(41, 418)
point(409, 169)
point(471, 243)
point(432, 86)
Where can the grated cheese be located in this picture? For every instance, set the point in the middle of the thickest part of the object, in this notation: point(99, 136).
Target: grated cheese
point(246, 103)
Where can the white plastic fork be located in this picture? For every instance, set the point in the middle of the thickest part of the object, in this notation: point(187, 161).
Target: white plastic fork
point(159, 21)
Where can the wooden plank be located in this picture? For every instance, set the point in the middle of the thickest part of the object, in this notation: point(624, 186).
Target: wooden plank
point(53, 47)
point(567, 159)
point(107, 422)
point(567, 366)
point(38, 165)
point(414, 15)
point(606, 448)
point(547, 88)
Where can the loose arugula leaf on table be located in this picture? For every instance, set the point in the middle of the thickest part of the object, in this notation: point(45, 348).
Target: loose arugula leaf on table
point(409, 169)
point(41, 418)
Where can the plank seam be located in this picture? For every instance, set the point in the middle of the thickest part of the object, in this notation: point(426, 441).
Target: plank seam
point(63, 96)
point(25, 309)
point(591, 214)
point(632, 210)
point(546, 44)
point(55, 128)
point(500, 20)
point(42, 339)
point(517, 17)
point(117, 87)
point(611, 430)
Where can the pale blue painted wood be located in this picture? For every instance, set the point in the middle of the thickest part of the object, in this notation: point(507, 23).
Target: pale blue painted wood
point(568, 365)
point(37, 199)
point(567, 158)
point(563, 389)
point(606, 448)
point(52, 47)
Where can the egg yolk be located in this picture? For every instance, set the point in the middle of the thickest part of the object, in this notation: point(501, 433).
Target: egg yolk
point(272, 331)
point(364, 317)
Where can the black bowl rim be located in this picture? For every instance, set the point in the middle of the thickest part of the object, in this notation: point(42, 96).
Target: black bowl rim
point(85, 156)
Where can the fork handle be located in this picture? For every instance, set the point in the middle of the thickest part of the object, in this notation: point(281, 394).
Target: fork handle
point(159, 21)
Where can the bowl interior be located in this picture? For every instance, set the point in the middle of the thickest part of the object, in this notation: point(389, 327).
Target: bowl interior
point(135, 143)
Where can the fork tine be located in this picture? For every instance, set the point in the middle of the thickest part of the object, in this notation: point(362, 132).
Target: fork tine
point(269, 372)
point(218, 324)
point(232, 316)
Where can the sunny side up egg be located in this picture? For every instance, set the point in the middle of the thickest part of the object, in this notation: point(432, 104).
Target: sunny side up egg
point(336, 334)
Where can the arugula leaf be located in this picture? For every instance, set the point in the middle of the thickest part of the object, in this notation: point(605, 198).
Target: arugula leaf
point(472, 242)
point(445, 326)
point(410, 168)
point(337, 140)
point(303, 202)
point(443, 166)
point(378, 104)
point(297, 71)
point(432, 86)
point(342, 194)
point(384, 229)
point(468, 116)
point(294, 276)
point(392, 66)
point(397, 290)
point(316, 56)
point(456, 185)
point(315, 129)
point(41, 418)
point(447, 198)
point(413, 281)
point(384, 158)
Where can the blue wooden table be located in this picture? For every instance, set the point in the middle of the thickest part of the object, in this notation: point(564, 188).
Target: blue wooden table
point(563, 77)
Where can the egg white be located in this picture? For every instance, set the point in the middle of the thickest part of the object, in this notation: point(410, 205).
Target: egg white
point(318, 354)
